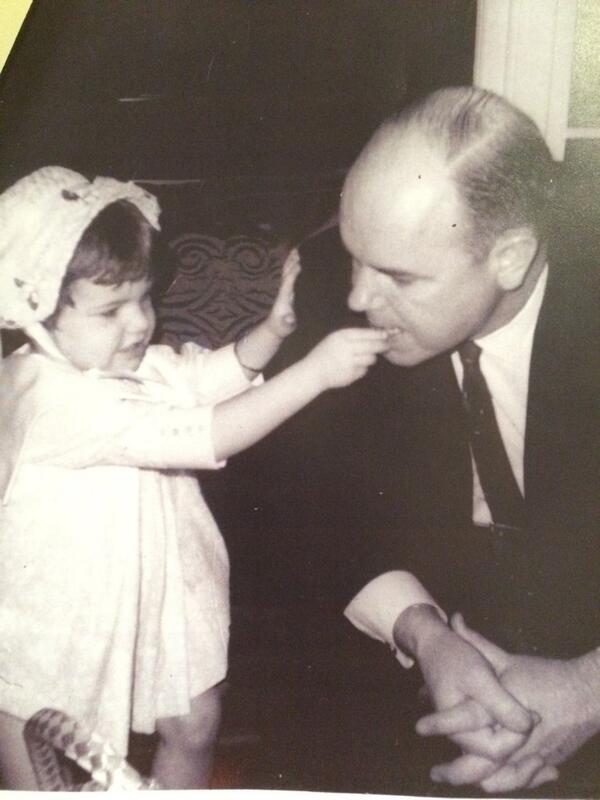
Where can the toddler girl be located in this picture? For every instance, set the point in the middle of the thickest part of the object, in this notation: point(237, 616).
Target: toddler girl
point(113, 574)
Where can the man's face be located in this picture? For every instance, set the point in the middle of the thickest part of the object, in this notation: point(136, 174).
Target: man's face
point(412, 271)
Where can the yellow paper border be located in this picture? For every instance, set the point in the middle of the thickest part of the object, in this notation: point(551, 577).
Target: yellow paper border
point(12, 14)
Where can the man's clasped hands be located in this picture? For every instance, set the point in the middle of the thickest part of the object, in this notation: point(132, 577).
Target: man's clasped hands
point(514, 717)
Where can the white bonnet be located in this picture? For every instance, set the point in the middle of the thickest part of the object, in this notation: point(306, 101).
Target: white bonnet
point(42, 219)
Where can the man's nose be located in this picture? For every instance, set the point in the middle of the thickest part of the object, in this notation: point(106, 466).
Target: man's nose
point(364, 295)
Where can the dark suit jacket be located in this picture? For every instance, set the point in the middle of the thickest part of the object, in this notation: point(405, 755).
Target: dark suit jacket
point(377, 477)
point(538, 591)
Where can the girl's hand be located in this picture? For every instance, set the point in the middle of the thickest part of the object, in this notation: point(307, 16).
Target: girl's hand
point(345, 356)
point(282, 319)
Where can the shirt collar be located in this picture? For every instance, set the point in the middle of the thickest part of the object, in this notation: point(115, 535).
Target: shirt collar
point(517, 334)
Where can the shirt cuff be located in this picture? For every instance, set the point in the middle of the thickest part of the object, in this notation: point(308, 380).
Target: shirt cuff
point(375, 609)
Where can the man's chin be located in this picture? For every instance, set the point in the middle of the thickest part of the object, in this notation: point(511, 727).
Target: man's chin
point(406, 358)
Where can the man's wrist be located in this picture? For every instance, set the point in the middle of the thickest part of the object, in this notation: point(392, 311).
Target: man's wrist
point(416, 626)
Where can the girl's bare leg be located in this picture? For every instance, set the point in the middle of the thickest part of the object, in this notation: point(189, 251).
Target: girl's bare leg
point(185, 753)
point(16, 771)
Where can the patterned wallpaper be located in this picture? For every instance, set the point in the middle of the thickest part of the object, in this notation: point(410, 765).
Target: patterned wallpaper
point(221, 288)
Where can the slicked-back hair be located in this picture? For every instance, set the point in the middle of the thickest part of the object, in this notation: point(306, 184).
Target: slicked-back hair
point(496, 156)
point(115, 247)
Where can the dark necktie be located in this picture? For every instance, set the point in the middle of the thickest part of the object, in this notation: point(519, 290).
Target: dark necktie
point(500, 488)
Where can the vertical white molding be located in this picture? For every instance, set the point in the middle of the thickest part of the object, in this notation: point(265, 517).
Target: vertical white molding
point(524, 51)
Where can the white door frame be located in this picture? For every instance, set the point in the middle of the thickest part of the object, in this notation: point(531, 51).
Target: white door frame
point(524, 52)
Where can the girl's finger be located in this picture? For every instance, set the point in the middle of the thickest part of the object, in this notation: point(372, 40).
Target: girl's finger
point(291, 266)
point(372, 350)
point(364, 334)
point(365, 359)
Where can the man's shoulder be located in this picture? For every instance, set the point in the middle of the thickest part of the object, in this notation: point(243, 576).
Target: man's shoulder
point(569, 324)
point(573, 278)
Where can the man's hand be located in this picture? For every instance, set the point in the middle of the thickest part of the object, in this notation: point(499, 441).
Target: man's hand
point(458, 676)
point(564, 693)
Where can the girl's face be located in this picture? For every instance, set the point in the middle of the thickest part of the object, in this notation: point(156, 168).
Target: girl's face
point(107, 327)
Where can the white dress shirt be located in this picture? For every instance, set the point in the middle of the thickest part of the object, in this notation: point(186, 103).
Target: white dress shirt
point(504, 362)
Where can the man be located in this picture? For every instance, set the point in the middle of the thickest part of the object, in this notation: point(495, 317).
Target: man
point(487, 507)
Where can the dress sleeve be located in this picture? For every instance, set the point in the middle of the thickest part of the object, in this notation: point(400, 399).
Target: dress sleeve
point(211, 375)
point(91, 428)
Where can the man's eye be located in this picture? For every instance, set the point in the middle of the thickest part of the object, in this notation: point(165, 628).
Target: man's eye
point(109, 314)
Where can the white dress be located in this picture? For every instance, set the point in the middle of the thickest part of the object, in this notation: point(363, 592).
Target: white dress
point(114, 601)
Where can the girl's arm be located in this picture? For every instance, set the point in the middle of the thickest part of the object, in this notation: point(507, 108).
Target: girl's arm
point(340, 359)
point(257, 348)
point(85, 424)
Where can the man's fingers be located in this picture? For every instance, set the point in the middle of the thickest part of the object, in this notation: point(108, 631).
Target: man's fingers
point(497, 744)
point(514, 776)
point(545, 775)
point(503, 707)
point(497, 657)
point(465, 769)
point(468, 725)
point(461, 718)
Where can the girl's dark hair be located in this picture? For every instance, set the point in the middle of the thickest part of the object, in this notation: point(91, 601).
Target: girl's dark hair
point(115, 247)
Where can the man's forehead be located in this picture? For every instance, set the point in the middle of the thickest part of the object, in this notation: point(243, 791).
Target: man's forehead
point(397, 182)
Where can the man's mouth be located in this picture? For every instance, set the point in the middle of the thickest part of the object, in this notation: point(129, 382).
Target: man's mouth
point(391, 331)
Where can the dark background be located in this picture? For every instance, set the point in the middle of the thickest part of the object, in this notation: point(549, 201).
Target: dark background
point(180, 89)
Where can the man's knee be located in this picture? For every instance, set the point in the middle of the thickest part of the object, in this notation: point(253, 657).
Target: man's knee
point(198, 729)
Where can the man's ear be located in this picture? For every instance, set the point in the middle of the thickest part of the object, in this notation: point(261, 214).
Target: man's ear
point(511, 256)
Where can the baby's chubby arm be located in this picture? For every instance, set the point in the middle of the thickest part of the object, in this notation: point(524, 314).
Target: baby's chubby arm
point(257, 348)
point(338, 360)
point(87, 425)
